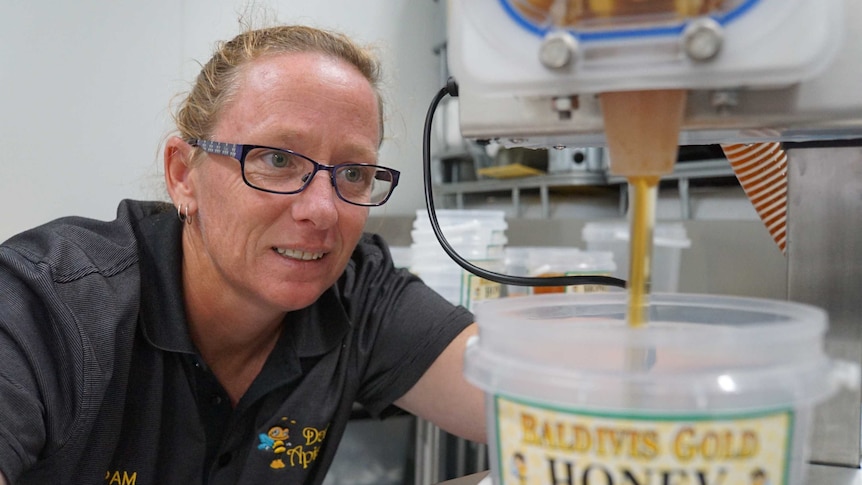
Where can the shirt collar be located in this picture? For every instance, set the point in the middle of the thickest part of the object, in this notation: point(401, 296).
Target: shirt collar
point(163, 318)
point(318, 328)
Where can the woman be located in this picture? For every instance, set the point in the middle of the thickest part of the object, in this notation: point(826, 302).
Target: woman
point(225, 339)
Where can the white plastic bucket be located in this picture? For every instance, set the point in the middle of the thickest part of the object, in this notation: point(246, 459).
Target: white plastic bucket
point(712, 390)
point(538, 261)
point(669, 239)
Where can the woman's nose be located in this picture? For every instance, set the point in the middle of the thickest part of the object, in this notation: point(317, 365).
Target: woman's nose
point(317, 202)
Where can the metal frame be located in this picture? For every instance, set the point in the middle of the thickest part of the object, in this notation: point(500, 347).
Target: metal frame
point(824, 253)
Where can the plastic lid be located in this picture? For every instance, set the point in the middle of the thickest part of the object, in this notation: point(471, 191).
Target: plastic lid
point(670, 234)
point(459, 235)
point(484, 219)
point(459, 214)
point(742, 352)
point(541, 259)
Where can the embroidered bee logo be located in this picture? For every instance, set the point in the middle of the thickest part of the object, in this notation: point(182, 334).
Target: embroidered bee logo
point(276, 441)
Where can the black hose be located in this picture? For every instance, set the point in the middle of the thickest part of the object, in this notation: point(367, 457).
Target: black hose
point(451, 89)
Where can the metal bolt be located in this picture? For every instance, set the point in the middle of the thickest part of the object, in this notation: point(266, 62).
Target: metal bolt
point(558, 50)
point(724, 100)
point(563, 103)
point(702, 39)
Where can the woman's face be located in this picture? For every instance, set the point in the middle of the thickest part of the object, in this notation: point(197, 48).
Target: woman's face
point(284, 251)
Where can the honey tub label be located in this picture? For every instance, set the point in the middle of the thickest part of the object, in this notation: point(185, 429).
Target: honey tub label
point(475, 289)
point(546, 445)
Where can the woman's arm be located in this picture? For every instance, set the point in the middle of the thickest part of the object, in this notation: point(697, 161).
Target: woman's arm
point(444, 397)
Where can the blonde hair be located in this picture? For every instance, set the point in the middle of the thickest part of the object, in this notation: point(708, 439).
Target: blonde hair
point(218, 81)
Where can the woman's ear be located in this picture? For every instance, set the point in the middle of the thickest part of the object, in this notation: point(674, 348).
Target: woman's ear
point(178, 167)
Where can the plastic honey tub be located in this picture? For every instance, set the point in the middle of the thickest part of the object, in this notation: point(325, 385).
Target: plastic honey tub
point(714, 390)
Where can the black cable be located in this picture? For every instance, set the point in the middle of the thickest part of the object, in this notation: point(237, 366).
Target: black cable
point(451, 89)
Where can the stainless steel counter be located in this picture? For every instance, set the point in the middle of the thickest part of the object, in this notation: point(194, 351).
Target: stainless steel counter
point(817, 475)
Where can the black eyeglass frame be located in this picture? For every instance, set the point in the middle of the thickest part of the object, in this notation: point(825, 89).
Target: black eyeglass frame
point(240, 151)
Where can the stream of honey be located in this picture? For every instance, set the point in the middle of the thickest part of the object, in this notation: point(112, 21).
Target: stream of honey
point(642, 130)
point(643, 195)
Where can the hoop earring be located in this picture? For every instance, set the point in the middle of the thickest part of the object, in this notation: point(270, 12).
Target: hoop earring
point(183, 214)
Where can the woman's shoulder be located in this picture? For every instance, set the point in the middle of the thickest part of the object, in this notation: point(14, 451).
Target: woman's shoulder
point(75, 246)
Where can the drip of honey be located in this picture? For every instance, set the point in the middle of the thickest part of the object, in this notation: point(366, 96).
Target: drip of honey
point(640, 251)
point(642, 131)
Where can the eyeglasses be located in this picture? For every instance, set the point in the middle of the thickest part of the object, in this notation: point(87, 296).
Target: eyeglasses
point(286, 172)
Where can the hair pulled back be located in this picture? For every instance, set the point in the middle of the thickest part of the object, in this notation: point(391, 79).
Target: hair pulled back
point(218, 81)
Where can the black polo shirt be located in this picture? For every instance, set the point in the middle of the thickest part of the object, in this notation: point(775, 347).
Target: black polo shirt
point(101, 384)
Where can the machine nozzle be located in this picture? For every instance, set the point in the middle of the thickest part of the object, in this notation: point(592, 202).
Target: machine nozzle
point(642, 130)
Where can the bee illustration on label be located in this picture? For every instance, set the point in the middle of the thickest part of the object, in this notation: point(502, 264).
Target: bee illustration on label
point(519, 467)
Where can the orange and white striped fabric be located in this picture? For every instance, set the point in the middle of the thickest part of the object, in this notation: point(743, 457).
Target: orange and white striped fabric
point(762, 171)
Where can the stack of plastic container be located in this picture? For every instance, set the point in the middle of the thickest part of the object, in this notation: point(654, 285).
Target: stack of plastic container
point(479, 236)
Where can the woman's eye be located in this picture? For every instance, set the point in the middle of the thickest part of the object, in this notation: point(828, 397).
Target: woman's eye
point(278, 160)
point(353, 174)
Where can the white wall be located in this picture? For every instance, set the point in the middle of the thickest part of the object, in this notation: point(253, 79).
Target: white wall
point(83, 91)
point(86, 86)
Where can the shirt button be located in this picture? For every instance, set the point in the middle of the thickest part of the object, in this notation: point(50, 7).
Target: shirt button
point(224, 459)
point(216, 400)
